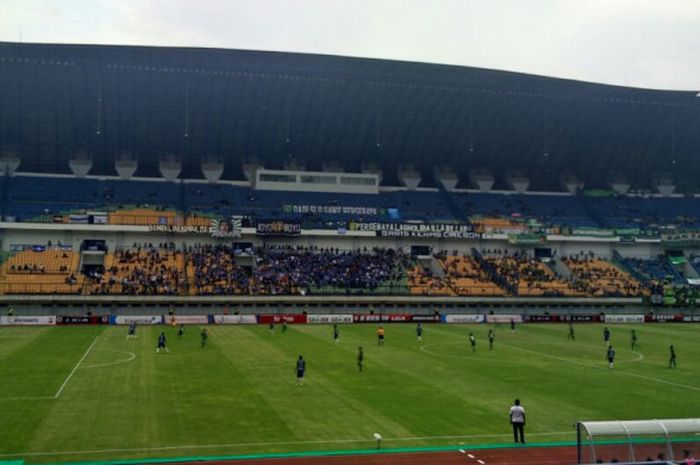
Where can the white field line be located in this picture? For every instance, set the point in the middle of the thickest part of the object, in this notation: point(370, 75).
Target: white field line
point(131, 355)
point(285, 443)
point(75, 368)
point(619, 372)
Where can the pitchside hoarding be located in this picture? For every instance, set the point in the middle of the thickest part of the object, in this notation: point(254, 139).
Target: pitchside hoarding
point(82, 320)
point(504, 318)
point(188, 319)
point(329, 319)
point(623, 318)
point(394, 318)
point(138, 319)
point(463, 318)
point(292, 319)
point(28, 320)
point(234, 319)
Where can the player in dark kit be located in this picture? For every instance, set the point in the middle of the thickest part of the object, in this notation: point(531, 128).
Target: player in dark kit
point(606, 336)
point(181, 331)
point(492, 337)
point(512, 325)
point(272, 326)
point(204, 336)
point(672, 360)
point(472, 341)
point(610, 355)
point(633, 338)
point(300, 369)
point(419, 332)
point(336, 334)
point(571, 335)
point(132, 330)
point(162, 343)
point(360, 358)
point(284, 326)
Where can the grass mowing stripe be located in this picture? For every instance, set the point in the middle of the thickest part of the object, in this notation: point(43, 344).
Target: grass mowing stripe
point(304, 442)
point(70, 375)
point(240, 390)
point(401, 358)
point(618, 372)
point(330, 400)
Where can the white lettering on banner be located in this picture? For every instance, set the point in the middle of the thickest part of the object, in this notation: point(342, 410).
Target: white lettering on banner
point(464, 318)
point(178, 228)
point(28, 320)
point(426, 230)
point(139, 320)
point(623, 318)
point(504, 318)
point(235, 319)
point(189, 319)
point(329, 319)
point(333, 209)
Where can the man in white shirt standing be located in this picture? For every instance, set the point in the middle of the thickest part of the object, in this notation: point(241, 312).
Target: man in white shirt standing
point(517, 419)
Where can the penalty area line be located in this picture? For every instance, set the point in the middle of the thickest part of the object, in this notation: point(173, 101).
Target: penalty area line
point(75, 368)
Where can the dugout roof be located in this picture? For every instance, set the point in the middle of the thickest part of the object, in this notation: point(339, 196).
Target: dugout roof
point(642, 427)
point(58, 100)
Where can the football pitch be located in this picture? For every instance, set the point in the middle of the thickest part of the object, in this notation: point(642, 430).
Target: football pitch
point(89, 393)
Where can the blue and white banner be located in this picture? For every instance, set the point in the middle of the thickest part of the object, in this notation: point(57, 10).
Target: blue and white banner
point(138, 319)
point(463, 318)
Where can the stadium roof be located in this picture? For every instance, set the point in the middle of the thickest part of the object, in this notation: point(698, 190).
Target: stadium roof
point(58, 100)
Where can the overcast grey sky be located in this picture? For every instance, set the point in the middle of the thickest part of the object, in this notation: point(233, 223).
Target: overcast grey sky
point(641, 43)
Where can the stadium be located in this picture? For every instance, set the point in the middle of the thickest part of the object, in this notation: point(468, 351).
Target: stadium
point(243, 209)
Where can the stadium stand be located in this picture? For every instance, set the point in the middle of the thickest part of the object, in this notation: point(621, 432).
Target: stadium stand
point(601, 278)
point(468, 278)
point(157, 202)
point(301, 270)
point(147, 202)
point(531, 277)
point(213, 271)
point(143, 270)
point(622, 211)
point(654, 271)
point(565, 210)
point(42, 183)
point(422, 282)
point(53, 271)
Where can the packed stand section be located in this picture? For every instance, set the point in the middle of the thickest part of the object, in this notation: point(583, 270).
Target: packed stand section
point(43, 271)
point(302, 270)
point(213, 270)
point(600, 278)
point(144, 269)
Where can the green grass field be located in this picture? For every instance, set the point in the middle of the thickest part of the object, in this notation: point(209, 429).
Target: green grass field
point(239, 394)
